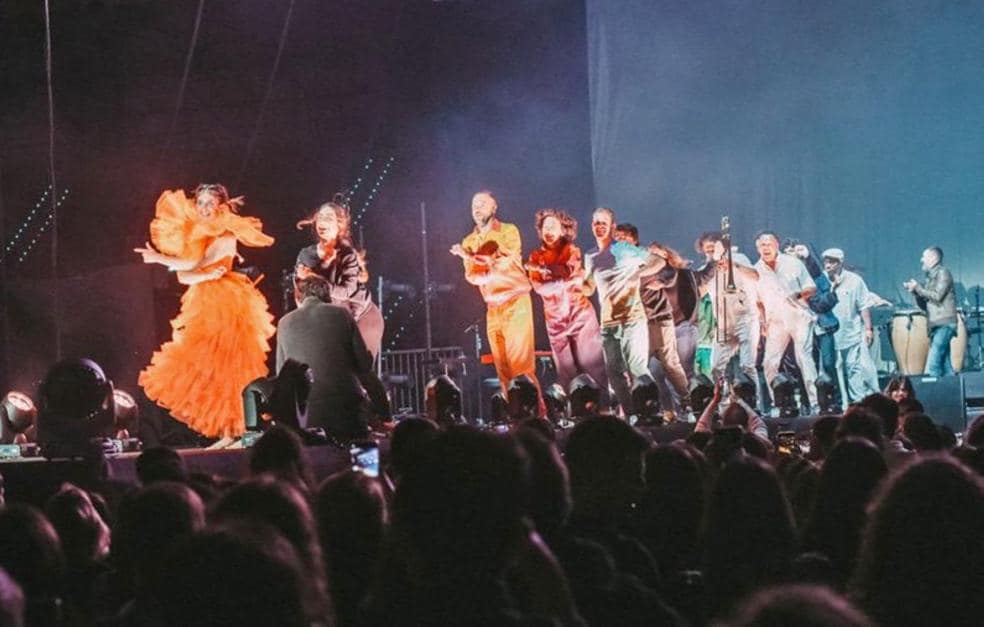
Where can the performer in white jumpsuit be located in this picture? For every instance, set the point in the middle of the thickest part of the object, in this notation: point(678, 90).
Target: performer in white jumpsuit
point(784, 288)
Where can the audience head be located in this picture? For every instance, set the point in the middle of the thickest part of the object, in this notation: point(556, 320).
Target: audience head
point(550, 491)
point(924, 542)
point(861, 422)
point(748, 531)
point(975, 433)
point(822, 435)
point(900, 388)
point(459, 510)
point(150, 522)
point(922, 433)
point(351, 516)
point(887, 411)
point(409, 436)
point(160, 463)
point(801, 605)
point(31, 552)
point(11, 602)
point(280, 453)
point(604, 456)
point(910, 406)
point(848, 479)
point(236, 576)
point(84, 534)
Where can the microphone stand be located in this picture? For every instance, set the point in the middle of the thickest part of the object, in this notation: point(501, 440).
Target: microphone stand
point(720, 308)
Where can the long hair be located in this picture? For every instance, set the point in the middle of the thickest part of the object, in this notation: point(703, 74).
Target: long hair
point(568, 224)
point(339, 209)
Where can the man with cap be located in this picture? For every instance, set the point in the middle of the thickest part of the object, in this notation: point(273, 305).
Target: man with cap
point(855, 333)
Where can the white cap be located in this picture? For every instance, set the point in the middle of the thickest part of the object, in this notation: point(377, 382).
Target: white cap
point(833, 253)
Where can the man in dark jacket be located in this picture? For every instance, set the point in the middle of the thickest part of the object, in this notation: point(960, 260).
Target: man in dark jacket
point(325, 338)
point(937, 299)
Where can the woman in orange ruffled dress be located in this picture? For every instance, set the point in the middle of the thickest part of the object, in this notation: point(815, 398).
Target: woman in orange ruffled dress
point(221, 335)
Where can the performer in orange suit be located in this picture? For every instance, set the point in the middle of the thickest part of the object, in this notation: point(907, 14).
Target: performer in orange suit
point(220, 338)
point(492, 255)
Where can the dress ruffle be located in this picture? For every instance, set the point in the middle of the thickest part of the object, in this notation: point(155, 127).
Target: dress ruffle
point(220, 337)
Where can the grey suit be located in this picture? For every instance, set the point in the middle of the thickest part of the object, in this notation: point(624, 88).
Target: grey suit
point(326, 338)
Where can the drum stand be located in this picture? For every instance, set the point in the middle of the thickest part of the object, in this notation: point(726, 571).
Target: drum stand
point(976, 315)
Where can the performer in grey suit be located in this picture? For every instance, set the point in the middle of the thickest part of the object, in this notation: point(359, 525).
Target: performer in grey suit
point(326, 338)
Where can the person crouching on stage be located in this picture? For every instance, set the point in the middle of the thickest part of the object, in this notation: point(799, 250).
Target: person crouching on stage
point(325, 337)
point(785, 287)
point(557, 274)
point(492, 258)
point(221, 334)
point(936, 297)
point(334, 259)
point(855, 333)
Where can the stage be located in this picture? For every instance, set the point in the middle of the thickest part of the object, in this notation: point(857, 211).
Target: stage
point(32, 480)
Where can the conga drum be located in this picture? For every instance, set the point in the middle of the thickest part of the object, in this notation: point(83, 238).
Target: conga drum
point(958, 345)
point(910, 340)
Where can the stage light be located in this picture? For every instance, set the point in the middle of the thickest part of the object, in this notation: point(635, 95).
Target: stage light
point(645, 401)
point(500, 408)
point(556, 401)
point(127, 413)
point(701, 393)
point(827, 395)
point(443, 401)
point(585, 396)
point(524, 398)
point(745, 389)
point(282, 398)
point(784, 396)
point(17, 416)
point(75, 408)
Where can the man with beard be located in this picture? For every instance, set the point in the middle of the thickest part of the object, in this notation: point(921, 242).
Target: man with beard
point(492, 257)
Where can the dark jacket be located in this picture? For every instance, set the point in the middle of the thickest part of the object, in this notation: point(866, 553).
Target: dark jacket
point(936, 297)
point(326, 339)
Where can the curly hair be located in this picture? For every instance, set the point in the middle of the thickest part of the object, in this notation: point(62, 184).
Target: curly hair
point(568, 224)
point(336, 209)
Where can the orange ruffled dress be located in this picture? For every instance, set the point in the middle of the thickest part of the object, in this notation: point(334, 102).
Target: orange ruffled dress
point(221, 335)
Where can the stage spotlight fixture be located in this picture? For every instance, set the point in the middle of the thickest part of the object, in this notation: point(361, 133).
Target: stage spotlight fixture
point(75, 408)
point(585, 396)
point(17, 416)
point(282, 398)
point(827, 395)
point(701, 393)
point(745, 389)
point(500, 408)
point(784, 396)
point(524, 398)
point(127, 413)
point(556, 400)
point(443, 401)
point(645, 401)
